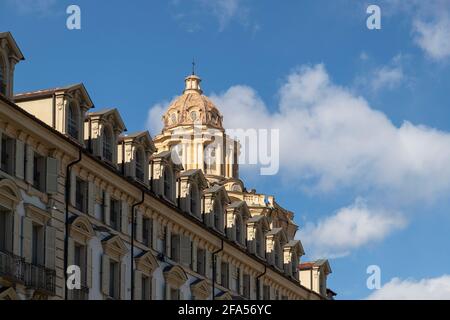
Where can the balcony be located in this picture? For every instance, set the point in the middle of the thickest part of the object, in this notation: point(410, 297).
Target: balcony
point(79, 294)
point(11, 267)
point(15, 269)
point(40, 278)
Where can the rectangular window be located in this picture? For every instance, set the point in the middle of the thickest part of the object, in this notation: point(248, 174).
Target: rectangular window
point(8, 154)
point(224, 274)
point(81, 195)
point(201, 261)
point(115, 210)
point(147, 225)
point(237, 280)
point(175, 248)
point(37, 245)
point(266, 292)
point(39, 170)
point(146, 288)
point(174, 294)
point(80, 261)
point(164, 241)
point(247, 286)
point(3, 230)
point(114, 279)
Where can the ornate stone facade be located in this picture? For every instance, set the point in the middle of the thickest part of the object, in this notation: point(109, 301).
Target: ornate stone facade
point(133, 217)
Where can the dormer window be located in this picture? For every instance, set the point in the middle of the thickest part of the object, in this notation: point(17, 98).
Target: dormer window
point(2, 76)
point(218, 214)
point(239, 228)
point(195, 200)
point(140, 165)
point(73, 121)
point(107, 144)
point(168, 183)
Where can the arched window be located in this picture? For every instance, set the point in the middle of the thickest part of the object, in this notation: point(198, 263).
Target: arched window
point(167, 177)
point(239, 228)
point(73, 121)
point(107, 144)
point(2, 76)
point(139, 164)
point(194, 200)
point(218, 214)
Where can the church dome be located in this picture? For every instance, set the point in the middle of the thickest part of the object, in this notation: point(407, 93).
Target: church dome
point(192, 107)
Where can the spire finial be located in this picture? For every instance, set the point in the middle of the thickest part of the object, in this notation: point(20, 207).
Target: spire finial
point(193, 66)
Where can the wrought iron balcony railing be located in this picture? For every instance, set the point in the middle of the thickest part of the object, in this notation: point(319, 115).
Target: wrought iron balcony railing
point(37, 277)
point(79, 294)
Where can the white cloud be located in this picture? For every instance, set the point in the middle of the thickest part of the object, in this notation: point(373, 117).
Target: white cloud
point(41, 7)
point(433, 37)
point(348, 229)
point(389, 76)
point(332, 139)
point(425, 289)
point(189, 14)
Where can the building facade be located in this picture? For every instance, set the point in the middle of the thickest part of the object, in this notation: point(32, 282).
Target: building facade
point(128, 216)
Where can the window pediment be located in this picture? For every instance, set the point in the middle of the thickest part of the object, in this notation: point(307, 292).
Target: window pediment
point(146, 263)
point(81, 229)
point(8, 294)
point(175, 276)
point(9, 192)
point(114, 247)
point(36, 214)
point(201, 289)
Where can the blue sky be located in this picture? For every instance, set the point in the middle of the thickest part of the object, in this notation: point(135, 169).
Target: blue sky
point(368, 188)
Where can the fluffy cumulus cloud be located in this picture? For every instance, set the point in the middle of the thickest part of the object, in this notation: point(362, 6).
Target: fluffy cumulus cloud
point(349, 228)
point(331, 138)
point(433, 36)
point(430, 23)
point(425, 289)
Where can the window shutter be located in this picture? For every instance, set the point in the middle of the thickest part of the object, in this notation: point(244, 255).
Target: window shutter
point(124, 216)
point(16, 236)
point(51, 180)
point(218, 269)
point(107, 201)
point(50, 247)
point(137, 285)
point(29, 165)
point(208, 272)
point(20, 159)
point(89, 267)
point(185, 250)
point(154, 234)
point(73, 187)
point(153, 288)
point(26, 237)
point(91, 198)
point(123, 281)
point(9, 231)
point(105, 274)
point(139, 230)
point(70, 252)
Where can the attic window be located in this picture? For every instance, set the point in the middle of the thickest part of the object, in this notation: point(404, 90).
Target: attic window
point(140, 165)
point(2, 77)
point(107, 144)
point(72, 121)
